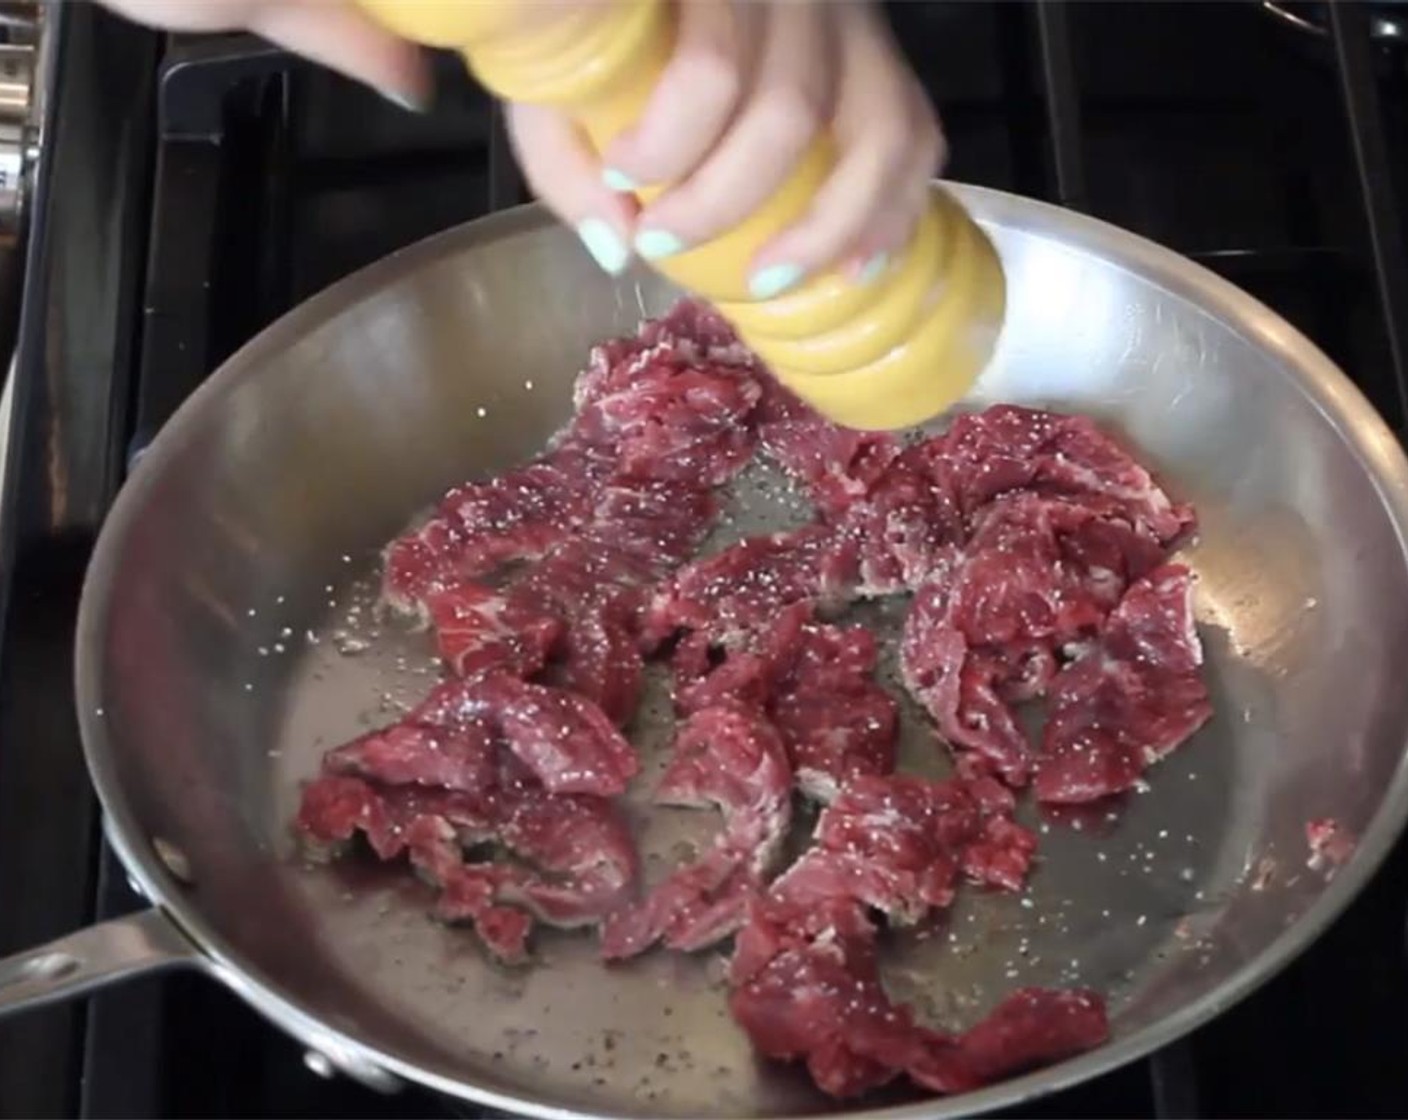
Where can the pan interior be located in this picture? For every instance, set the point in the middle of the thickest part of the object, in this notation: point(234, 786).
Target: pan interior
point(229, 638)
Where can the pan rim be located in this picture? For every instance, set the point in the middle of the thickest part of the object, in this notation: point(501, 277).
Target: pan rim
point(1329, 389)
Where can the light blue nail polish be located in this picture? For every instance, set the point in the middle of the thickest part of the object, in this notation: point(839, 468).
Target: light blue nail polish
point(773, 280)
point(873, 268)
point(605, 245)
point(657, 244)
point(617, 181)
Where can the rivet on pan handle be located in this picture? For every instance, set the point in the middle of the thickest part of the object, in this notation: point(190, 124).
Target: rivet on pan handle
point(93, 958)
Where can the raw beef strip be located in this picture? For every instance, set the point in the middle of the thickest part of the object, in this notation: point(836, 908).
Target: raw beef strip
point(564, 740)
point(580, 862)
point(599, 658)
point(1006, 448)
point(903, 528)
point(335, 807)
point(478, 629)
point(1030, 1028)
point(836, 721)
point(731, 758)
point(667, 424)
point(962, 689)
point(1131, 699)
point(837, 466)
point(698, 330)
point(585, 850)
point(1036, 581)
point(596, 590)
point(430, 747)
point(575, 859)
point(1041, 574)
point(467, 890)
point(814, 682)
point(706, 675)
point(690, 333)
point(806, 986)
point(583, 572)
point(595, 585)
point(481, 526)
point(569, 744)
point(898, 844)
point(745, 586)
point(661, 524)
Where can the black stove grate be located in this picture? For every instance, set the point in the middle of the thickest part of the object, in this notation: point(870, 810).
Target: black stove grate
point(244, 181)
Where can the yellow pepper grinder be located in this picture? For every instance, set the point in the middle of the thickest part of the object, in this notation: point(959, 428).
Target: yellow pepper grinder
point(890, 353)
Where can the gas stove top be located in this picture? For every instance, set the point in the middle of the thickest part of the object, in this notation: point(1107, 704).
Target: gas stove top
point(196, 189)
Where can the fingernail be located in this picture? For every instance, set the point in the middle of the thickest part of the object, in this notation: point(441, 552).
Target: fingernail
point(657, 244)
point(618, 181)
point(605, 245)
point(773, 280)
point(872, 268)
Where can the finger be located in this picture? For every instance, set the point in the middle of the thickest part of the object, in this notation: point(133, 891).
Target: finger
point(888, 141)
point(781, 117)
point(182, 15)
point(890, 227)
point(693, 101)
point(344, 38)
point(563, 171)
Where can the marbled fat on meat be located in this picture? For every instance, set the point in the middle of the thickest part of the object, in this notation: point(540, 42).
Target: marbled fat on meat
point(836, 466)
point(899, 844)
point(806, 987)
point(745, 586)
point(904, 528)
point(731, 758)
point(837, 722)
point(452, 740)
point(1036, 582)
point(960, 688)
point(576, 861)
point(441, 744)
point(478, 629)
point(1131, 699)
point(813, 681)
point(568, 743)
point(1006, 448)
point(481, 526)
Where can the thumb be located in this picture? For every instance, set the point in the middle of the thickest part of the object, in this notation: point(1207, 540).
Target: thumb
point(563, 171)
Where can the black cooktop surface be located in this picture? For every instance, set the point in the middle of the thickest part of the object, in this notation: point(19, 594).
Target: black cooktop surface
point(198, 189)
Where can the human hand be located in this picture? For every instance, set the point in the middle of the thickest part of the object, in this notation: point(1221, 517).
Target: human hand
point(751, 85)
point(334, 32)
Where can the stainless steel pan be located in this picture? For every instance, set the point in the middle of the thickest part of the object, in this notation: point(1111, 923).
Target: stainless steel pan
point(218, 655)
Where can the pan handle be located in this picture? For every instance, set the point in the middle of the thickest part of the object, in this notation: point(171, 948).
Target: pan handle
point(92, 958)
